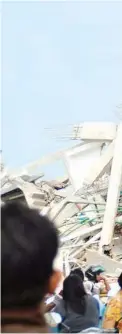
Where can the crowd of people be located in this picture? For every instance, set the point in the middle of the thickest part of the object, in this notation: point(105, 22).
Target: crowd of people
point(29, 244)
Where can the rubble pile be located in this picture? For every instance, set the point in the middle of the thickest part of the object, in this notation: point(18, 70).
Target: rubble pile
point(79, 229)
point(86, 205)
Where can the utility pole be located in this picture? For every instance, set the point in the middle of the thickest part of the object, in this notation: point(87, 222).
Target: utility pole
point(1, 162)
point(113, 194)
point(118, 112)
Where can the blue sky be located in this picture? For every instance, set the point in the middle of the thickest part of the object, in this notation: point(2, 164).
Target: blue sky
point(61, 64)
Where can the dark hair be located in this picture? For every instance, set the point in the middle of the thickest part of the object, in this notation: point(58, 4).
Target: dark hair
point(120, 280)
point(78, 272)
point(29, 244)
point(74, 294)
point(92, 272)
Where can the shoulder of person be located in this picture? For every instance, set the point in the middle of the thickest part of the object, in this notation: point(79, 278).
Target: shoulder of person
point(91, 298)
point(94, 302)
point(114, 301)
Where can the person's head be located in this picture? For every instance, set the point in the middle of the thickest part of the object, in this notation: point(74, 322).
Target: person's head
point(78, 272)
point(74, 293)
point(29, 244)
point(120, 281)
point(93, 273)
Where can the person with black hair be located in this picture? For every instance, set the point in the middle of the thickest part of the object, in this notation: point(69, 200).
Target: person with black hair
point(99, 282)
point(113, 314)
point(78, 272)
point(79, 311)
point(29, 244)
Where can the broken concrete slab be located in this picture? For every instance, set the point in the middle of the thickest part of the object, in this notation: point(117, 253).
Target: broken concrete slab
point(95, 131)
point(110, 265)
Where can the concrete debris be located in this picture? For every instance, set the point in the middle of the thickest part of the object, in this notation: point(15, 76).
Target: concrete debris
point(78, 202)
point(109, 264)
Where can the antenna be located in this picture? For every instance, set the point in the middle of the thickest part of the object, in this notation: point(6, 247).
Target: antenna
point(60, 132)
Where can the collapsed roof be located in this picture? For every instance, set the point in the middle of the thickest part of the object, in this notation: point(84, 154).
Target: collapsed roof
point(88, 202)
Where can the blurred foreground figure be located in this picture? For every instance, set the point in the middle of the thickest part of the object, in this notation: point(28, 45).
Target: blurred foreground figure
point(29, 244)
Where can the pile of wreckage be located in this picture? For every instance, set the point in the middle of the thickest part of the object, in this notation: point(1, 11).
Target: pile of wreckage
point(86, 205)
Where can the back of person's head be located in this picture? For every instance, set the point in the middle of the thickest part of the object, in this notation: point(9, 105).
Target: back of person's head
point(78, 272)
point(74, 293)
point(120, 281)
point(29, 244)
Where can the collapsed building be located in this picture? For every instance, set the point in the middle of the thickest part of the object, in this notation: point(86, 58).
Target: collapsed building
point(86, 204)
